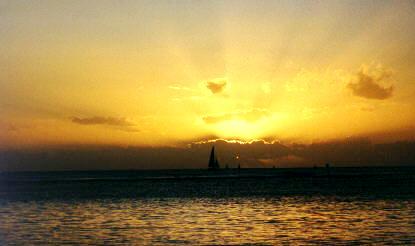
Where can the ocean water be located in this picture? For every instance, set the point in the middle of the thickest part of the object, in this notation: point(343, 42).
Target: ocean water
point(197, 207)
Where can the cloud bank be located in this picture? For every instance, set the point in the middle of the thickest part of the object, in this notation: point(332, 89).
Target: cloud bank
point(258, 154)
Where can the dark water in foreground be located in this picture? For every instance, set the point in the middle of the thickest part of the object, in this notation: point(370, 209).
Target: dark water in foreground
point(268, 206)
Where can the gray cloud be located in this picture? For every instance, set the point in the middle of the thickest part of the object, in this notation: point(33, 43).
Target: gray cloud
point(97, 120)
point(249, 116)
point(216, 86)
point(119, 123)
point(368, 86)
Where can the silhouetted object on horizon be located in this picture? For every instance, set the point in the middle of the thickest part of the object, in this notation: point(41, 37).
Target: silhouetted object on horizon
point(213, 160)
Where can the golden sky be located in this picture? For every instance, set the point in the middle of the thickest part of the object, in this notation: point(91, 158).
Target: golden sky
point(166, 72)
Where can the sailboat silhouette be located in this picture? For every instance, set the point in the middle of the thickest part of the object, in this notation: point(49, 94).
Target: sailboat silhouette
point(213, 160)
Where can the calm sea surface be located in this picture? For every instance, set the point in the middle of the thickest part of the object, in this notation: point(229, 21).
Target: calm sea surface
point(271, 206)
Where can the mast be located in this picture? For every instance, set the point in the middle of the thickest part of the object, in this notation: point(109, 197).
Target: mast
point(213, 160)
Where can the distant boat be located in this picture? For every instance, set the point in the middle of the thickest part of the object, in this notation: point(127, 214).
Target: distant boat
point(213, 160)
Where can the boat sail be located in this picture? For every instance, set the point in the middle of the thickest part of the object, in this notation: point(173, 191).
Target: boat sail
point(213, 160)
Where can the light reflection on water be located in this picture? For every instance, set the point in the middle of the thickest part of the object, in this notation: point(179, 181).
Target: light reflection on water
point(294, 220)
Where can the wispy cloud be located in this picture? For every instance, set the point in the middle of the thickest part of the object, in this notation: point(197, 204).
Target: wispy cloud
point(180, 88)
point(368, 84)
point(249, 116)
point(216, 86)
point(119, 123)
point(98, 120)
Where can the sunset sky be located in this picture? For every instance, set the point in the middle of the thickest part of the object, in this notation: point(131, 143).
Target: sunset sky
point(164, 73)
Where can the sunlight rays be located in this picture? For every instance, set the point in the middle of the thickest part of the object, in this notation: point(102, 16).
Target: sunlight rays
point(294, 61)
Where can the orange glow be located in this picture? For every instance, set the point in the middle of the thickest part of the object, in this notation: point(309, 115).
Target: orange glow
point(161, 77)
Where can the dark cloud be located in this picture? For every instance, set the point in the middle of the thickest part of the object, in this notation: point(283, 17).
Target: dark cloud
point(249, 116)
point(216, 86)
point(368, 86)
point(118, 123)
point(97, 120)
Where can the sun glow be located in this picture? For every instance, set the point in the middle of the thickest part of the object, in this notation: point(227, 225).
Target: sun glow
point(242, 71)
point(240, 129)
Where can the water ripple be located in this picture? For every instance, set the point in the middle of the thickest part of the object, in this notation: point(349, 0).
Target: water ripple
point(294, 220)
